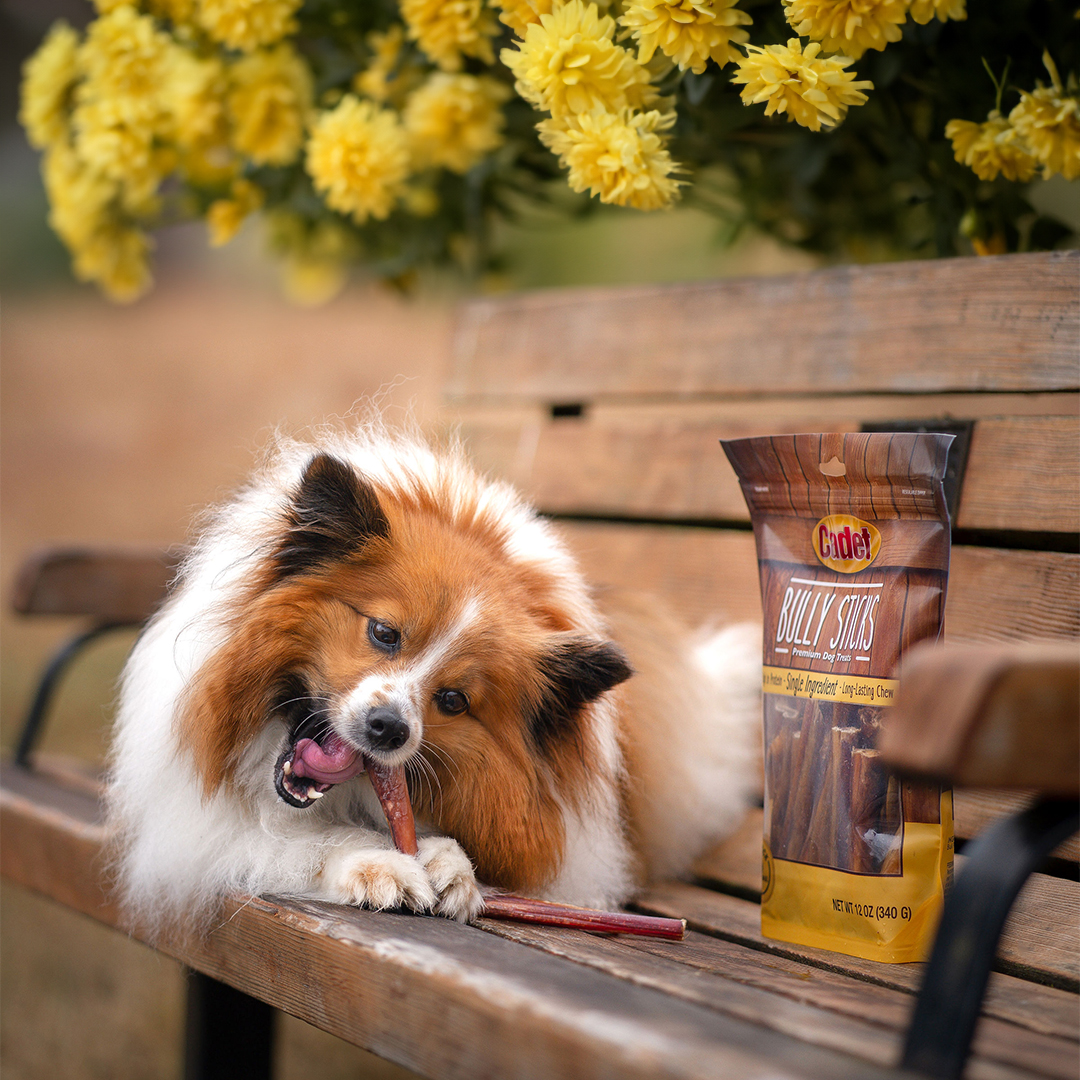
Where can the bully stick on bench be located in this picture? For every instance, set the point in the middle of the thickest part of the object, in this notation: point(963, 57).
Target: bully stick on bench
point(393, 794)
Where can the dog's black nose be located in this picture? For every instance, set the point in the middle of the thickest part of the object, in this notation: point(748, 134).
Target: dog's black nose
point(386, 728)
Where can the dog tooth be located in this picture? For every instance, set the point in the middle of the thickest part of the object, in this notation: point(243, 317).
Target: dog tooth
point(313, 794)
point(287, 767)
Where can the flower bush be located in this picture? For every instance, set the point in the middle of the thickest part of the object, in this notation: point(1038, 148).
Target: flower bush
point(398, 134)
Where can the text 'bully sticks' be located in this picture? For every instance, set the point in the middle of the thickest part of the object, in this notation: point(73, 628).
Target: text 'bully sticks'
point(393, 794)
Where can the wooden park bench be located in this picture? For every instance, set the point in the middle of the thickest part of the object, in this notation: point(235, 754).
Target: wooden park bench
point(606, 406)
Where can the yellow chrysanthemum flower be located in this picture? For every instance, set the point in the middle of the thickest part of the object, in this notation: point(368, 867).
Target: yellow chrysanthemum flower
point(991, 148)
point(848, 26)
point(358, 159)
point(123, 60)
point(922, 11)
point(195, 92)
point(813, 92)
point(455, 120)
point(374, 81)
point(1048, 120)
point(225, 216)
point(116, 257)
point(569, 63)
point(120, 120)
point(269, 104)
point(690, 32)
point(247, 25)
point(447, 30)
point(78, 196)
point(311, 281)
point(48, 78)
point(82, 212)
point(520, 14)
point(618, 157)
point(124, 152)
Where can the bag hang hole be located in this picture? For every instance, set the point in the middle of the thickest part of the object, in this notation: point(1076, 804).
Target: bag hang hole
point(833, 467)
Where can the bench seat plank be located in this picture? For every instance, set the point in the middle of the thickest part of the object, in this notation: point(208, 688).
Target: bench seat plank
point(993, 324)
point(790, 996)
point(434, 995)
point(1041, 940)
point(703, 1008)
point(1011, 997)
point(663, 461)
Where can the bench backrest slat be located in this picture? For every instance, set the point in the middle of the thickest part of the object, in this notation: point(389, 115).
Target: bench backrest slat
point(974, 325)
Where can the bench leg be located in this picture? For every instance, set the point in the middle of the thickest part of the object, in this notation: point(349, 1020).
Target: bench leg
point(998, 864)
point(229, 1035)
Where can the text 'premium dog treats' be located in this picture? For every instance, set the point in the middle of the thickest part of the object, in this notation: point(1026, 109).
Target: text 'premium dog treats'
point(852, 539)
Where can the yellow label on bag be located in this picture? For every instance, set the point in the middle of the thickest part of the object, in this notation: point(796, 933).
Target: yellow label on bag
point(876, 917)
point(857, 689)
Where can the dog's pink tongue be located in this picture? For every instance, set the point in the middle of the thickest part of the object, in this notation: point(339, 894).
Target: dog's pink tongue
point(333, 762)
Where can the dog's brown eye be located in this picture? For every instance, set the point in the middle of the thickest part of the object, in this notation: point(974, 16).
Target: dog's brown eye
point(451, 702)
point(385, 637)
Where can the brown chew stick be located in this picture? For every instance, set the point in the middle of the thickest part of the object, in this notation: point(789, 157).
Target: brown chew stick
point(526, 909)
point(393, 794)
point(389, 784)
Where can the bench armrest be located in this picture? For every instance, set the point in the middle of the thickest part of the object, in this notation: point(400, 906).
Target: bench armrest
point(112, 585)
point(989, 716)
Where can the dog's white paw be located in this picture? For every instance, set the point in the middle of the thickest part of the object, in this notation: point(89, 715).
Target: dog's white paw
point(379, 879)
point(452, 877)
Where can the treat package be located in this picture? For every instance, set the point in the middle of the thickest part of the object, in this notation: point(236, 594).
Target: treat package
point(852, 536)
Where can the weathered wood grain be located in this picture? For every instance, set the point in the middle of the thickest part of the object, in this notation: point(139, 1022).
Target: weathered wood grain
point(991, 324)
point(976, 808)
point(816, 1006)
point(664, 461)
point(443, 999)
point(711, 575)
point(1041, 941)
point(1008, 997)
point(1042, 936)
point(1001, 715)
point(706, 574)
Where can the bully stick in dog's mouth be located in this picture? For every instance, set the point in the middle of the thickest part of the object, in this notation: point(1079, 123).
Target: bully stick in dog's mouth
point(316, 758)
point(393, 793)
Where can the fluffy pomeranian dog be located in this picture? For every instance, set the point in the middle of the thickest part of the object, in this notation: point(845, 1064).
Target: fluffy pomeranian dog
point(369, 600)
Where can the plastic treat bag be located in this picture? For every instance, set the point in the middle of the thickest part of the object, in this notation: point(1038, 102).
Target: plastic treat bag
point(852, 537)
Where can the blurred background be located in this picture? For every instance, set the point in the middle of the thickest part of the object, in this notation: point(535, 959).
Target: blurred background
point(117, 423)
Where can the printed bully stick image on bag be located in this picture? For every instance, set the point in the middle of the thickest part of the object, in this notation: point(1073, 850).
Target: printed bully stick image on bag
point(852, 536)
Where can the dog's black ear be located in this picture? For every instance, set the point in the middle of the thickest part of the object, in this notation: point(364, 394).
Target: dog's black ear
point(575, 670)
point(333, 513)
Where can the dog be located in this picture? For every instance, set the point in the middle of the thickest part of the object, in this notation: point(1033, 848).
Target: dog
point(369, 599)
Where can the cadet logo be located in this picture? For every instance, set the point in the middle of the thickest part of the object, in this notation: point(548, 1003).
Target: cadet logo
point(845, 543)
